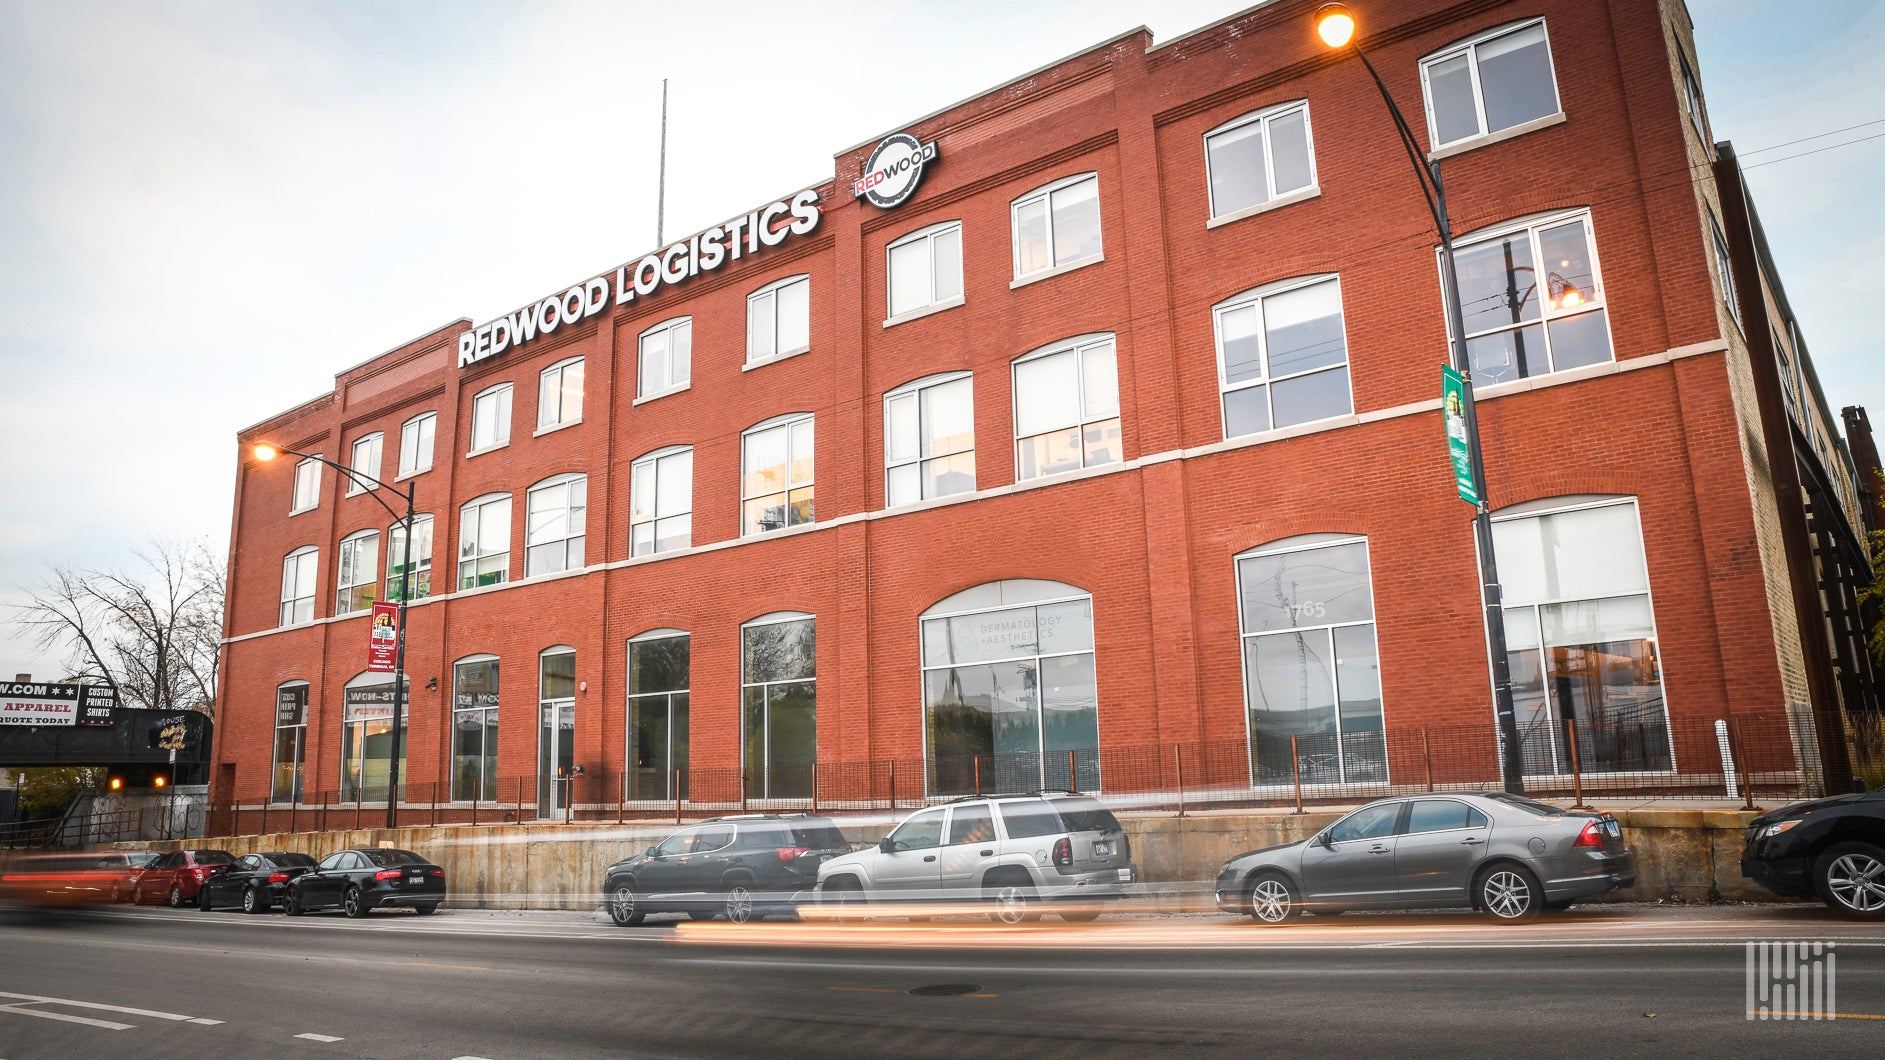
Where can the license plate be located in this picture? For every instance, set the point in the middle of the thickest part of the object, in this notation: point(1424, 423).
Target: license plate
point(1102, 850)
point(1611, 827)
point(416, 878)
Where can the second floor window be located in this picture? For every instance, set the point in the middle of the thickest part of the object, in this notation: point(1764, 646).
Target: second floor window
point(779, 319)
point(1259, 157)
point(307, 485)
point(556, 522)
point(661, 498)
point(297, 585)
point(415, 443)
point(417, 567)
point(1057, 225)
point(560, 393)
point(665, 361)
point(484, 541)
point(366, 462)
point(357, 583)
point(776, 483)
point(1532, 299)
point(1066, 401)
point(1282, 355)
point(925, 268)
point(491, 418)
point(929, 439)
point(1490, 83)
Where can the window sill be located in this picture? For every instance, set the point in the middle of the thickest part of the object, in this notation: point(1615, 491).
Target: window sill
point(1058, 270)
point(1291, 199)
point(292, 512)
point(786, 356)
point(928, 310)
point(358, 492)
point(488, 449)
point(1501, 136)
point(554, 427)
point(415, 473)
point(659, 394)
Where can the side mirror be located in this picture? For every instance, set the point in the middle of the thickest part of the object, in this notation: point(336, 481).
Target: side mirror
point(886, 845)
point(650, 853)
point(1324, 839)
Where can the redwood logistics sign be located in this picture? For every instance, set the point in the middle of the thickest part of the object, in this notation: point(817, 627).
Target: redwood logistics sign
point(1453, 406)
point(383, 638)
point(23, 703)
point(894, 170)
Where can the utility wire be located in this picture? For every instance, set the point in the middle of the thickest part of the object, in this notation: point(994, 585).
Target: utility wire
point(1815, 136)
point(1815, 151)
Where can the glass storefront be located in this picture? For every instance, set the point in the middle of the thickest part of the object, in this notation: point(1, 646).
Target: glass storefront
point(658, 674)
point(291, 731)
point(556, 740)
point(779, 705)
point(474, 729)
point(366, 739)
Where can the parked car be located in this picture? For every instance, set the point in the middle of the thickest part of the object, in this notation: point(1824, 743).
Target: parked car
point(1017, 852)
point(360, 880)
point(1506, 855)
point(126, 866)
point(56, 881)
point(738, 867)
point(176, 876)
point(254, 883)
point(1830, 848)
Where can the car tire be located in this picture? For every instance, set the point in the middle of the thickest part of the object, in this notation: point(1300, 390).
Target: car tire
point(1271, 900)
point(176, 896)
point(1013, 899)
point(1850, 878)
point(738, 904)
point(291, 902)
point(1559, 906)
point(426, 910)
point(202, 899)
point(624, 906)
point(253, 902)
point(701, 914)
point(353, 904)
point(1509, 893)
point(846, 893)
point(1079, 916)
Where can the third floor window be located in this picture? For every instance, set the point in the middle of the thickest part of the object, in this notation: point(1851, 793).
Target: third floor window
point(1258, 158)
point(491, 418)
point(560, 394)
point(1057, 226)
point(1282, 355)
point(925, 269)
point(1066, 407)
point(307, 485)
point(929, 439)
point(1486, 84)
point(1532, 299)
point(415, 443)
point(665, 358)
point(776, 479)
point(366, 463)
point(661, 499)
point(779, 319)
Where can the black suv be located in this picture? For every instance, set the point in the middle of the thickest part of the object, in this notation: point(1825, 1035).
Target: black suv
point(743, 867)
point(1830, 848)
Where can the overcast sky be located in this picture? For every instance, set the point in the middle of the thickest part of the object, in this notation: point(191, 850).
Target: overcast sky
point(209, 209)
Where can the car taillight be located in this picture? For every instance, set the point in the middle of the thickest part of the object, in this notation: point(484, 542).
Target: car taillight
point(388, 874)
point(199, 873)
point(278, 877)
point(440, 873)
point(788, 853)
point(1063, 852)
point(1591, 836)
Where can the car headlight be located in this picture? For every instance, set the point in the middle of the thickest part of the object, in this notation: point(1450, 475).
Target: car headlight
point(1773, 830)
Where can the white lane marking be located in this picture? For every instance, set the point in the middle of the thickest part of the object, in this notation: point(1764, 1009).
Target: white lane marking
point(37, 999)
point(21, 1010)
point(204, 1022)
point(320, 1037)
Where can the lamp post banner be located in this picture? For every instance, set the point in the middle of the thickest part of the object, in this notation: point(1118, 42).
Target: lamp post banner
point(383, 638)
point(1453, 405)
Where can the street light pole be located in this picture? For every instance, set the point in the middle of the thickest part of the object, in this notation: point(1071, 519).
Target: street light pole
point(1336, 26)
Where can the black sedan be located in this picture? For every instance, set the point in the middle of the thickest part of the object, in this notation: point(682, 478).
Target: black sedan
point(1830, 849)
point(738, 867)
point(366, 878)
point(254, 883)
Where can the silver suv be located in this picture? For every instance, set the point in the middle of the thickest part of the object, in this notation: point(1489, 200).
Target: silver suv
point(1013, 851)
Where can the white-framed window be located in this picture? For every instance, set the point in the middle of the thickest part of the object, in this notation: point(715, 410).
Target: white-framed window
point(474, 728)
point(659, 669)
point(1282, 355)
point(560, 393)
point(1066, 407)
point(1723, 266)
point(418, 568)
point(366, 737)
point(556, 729)
point(1261, 156)
point(665, 358)
point(365, 461)
point(776, 474)
point(1692, 98)
point(779, 704)
point(357, 580)
point(415, 443)
point(291, 738)
point(1057, 226)
point(1311, 666)
point(1532, 298)
point(484, 541)
point(555, 523)
point(929, 439)
point(661, 501)
point(779, 319)
point(307, 485)
point(1489, 83)
point(491, 418)
point(297, 585)
point(924, 269)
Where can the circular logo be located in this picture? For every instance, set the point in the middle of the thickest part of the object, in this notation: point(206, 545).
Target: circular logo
point(894, 170)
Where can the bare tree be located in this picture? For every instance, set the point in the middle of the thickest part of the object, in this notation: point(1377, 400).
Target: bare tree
point(153, 633)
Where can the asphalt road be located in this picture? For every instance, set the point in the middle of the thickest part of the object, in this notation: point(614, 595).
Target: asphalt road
point(1604, 982)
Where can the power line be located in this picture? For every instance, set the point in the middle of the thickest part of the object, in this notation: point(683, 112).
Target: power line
point(1815, 151)
point(1815, 136)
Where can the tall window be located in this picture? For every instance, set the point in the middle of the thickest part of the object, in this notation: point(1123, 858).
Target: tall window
point(1066, 401)
point(925, 268)
point(1489, 83)
point(1724, 268)
point(661, 501)
point(1532, 299)
point(1259, 157)
point(556, 737)
point(474, 728)
point(779, 704)
point(1282, 355)
point(358, 580)
point(418, 568)
point(366, 738)
point(291, 737)
point(556, 521)
point(1008, 689)
point(415, 443)
point(1057, 226)
point(1580, 635)
point(365, 462)
point(1692, 96)
point(779, 319)
point(776, 485)
point(658, 671)
point(560, 393)
point(929, 439)
point(307, 485)
point(491, 418)
point(666, 357)
point(484, 541)
point(1306, 612)
point(297, 585)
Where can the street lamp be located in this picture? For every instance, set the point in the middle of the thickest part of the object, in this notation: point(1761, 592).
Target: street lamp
point(1335, 25)
point(266, 451)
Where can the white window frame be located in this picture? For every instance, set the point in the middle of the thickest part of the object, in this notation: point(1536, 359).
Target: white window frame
point(1045, 191)
point(421, 564)
point(347, 559)
point(1594, 301)
point(663, 700)
point(375, 444)
point(1078, 346)
point(1265, 116)
point(1255, 297)
point(309, 555)
point(1470, 48)
point(558, 482)
point(417, 436)
point(913, 391)
point(935, 304)
point(753, 355)
point(770, 619)
point(787, 421)
point(563, 416)
point(300, 731)
point(1724, 265)
point(666, 329)
point(311, 469)
point(484, 730)
point(480, 552)
point(648, 468)
point(501, 394)
point(1692, 99)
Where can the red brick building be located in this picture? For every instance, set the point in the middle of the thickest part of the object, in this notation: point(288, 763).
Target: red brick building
point(1113, 443)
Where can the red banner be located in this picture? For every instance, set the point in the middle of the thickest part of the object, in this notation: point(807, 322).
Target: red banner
point(383, 638)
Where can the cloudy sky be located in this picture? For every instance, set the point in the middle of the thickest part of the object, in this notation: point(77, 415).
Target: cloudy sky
point(208, 209)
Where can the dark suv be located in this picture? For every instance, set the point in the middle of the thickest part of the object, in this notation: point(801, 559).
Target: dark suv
point(741, 867)
point(1832, 849)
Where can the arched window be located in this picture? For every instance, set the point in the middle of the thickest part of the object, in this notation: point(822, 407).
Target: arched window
point(924, 270)
point(1066, 407)
point(474, 728)
point(357, 584)
point(776, 474)
point(779, 704)
point(779, 320)
point(1057, 226)
point(560, 394)
point(297, 585)
point(665, 359)
point(1498, 81)
point(1261, 158)
point(1532, 297)
point(1282, 355)
point(366, 738)
point(659, 672)
point(491, 419)
point(929, 439)
point(556, 524)
point(661, 501)
point(291, 737)
point(484, 541)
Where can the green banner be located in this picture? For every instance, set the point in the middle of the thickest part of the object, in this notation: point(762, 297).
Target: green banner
point(1453, 401)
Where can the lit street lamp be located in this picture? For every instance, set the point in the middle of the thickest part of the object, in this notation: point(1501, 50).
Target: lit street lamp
point(1335, 25)
point(267, 451)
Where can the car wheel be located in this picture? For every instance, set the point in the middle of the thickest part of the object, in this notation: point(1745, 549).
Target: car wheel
point(624, 907)
point(176, 897)
point(202, 899)
point(739, 904)
point(425, 910)
point(1014, 901)
point(1272, 900)
point(291, 902)
point(1851, 879)
point(846, 893)
point(353, 903)
point(253, 902)
point(1510, 893)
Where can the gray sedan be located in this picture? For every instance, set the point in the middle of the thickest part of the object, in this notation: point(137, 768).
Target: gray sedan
point(1504, 854)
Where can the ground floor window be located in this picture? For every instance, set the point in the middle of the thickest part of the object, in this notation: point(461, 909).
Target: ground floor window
point(1009, 689)
point(366, 739)
point(291, 731)
point(474, 729)
point(658, 673)
point(556, 740)
point(779, 705)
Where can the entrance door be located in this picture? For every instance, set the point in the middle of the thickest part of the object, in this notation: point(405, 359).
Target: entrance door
point(556, 751)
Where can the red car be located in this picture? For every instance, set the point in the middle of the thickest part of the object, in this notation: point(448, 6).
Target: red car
point(175, 877)
point(54, 881)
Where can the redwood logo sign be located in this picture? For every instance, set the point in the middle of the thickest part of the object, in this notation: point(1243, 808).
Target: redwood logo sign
point(894, 170)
